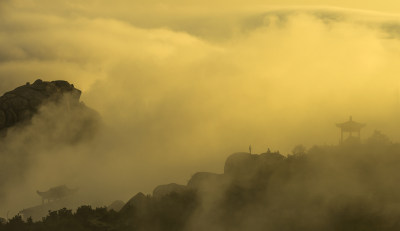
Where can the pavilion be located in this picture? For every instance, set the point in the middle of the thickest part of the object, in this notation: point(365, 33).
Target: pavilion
point(56, 193)
point(350, 127)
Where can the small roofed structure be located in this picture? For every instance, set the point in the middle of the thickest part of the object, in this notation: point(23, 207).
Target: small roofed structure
point(56, 193)
point(350, 127)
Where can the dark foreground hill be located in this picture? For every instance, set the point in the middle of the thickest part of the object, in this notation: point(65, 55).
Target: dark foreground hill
point(351, 187)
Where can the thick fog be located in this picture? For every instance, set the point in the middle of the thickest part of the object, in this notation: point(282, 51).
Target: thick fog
point(179, 89)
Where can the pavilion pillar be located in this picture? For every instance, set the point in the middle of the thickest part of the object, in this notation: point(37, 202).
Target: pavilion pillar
point(341, 136)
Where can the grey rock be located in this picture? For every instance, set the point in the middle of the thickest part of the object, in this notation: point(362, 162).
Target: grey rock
point(138, 203)
point(163, 190)
point(22, 103)
point(240, 162)
point(116, 206)
point(243, 163)
point(203, 179)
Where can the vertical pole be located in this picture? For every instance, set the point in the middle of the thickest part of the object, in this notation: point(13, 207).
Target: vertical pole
point(341, 136)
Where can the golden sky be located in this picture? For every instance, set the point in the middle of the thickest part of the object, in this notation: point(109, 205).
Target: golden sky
point(182, 84)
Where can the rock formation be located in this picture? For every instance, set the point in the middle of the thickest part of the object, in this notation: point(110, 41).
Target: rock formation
point(243, 163)
point(52, 108)
point(139, 202)
point(116, 206)
point(22, 103)
point(203, 179)
point(163, 190)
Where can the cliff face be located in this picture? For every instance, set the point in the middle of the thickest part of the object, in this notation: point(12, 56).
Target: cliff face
point(22, 103)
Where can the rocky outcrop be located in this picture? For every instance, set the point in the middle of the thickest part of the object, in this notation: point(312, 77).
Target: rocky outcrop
point(242, 163)
point(247, 170)
point(204, 179)
point(163, 190)
point(116, 206)
point(50, 111)
point(138, 202)
point(22, 103)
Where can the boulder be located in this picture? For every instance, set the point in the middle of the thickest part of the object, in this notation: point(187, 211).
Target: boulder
point(163, 190)
point(242, 163)
point(116, 206)
point(203, 180)
point(53, 111)
point(248, 170)
point(22, 103)
point(138, 202)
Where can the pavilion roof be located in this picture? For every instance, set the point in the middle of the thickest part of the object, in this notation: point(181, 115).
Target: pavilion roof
point(56, 192)
point(350, 125)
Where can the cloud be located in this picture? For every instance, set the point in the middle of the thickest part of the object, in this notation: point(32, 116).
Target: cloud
point(178, 93)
